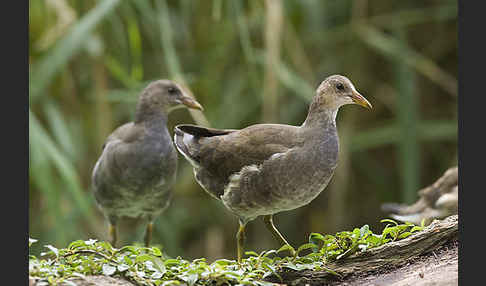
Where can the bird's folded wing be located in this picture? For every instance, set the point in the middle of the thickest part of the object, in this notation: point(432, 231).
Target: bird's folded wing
point(224, 152)
point(116, 151)
point(126, 133)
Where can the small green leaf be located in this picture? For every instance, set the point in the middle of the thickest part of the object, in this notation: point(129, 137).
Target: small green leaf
point(267, 253)
point(170, 283)
point(143, 258)
point(156, 251)
point(416, 228)
point(122, 267)
point(223, 262)
point(251, 253)
point(285, 247)
point(388, 230)
point(306, 246)
point(159, 265)
point(190, 278)
point(389, 220)
point(127, 260)
point(316, 236)
point(53, 249)
point(364, 230)
point(130, 248)
point(105, 245)
point(32, 241)
point(76, 244)
point(172, 262)
point(404, 235)
point(108, 270)
point(90, 241)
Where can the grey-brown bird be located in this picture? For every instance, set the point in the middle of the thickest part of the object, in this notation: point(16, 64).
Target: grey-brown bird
point(137, 168)
point(264, 169)
point(436, 201)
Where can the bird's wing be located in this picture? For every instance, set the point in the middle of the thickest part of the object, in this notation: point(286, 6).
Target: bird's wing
point(126, 133)
point(116, 149)
point(224, 152)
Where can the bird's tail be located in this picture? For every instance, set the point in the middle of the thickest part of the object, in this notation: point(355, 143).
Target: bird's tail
point(186, 139)
point(183, 142)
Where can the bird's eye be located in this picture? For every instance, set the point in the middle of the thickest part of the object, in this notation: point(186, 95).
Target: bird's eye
point(172, 90)
point(340, 86)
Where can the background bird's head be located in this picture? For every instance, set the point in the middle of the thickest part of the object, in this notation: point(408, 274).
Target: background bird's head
point(166, 95)
point(337, 90)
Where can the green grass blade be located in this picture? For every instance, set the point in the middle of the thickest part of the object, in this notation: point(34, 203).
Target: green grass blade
point(54, 61)
point(392, 48)
point(61, 162)
point(428, 130)
point(171, 57)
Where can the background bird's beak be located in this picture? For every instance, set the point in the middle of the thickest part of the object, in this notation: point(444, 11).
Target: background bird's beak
point(191, 102)
point(360, 100)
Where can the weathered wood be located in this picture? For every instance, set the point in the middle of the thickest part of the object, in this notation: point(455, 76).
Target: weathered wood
point(391, 254)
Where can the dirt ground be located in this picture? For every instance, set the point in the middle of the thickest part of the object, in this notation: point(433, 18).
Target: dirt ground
point(439, 267)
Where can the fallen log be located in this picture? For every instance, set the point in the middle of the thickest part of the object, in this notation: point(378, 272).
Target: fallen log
point(390, 255)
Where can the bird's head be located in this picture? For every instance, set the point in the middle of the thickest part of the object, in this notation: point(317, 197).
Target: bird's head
point(337, 90)
point(167, 95)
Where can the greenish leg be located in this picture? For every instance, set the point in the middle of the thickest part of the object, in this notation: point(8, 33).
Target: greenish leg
point(268, 220)
point(240, 240)
point(113, 234)
point(148, 233)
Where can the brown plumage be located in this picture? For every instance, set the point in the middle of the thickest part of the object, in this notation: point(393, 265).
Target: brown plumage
point(264, 169)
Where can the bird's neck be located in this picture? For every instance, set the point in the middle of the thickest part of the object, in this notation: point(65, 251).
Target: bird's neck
point(320, 116)
point(145, 113)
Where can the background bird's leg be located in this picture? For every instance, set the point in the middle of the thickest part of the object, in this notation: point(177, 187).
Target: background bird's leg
point(148, 233)
point(112, 231)
point(240, 239)
point(268, 219)
point(113, 234)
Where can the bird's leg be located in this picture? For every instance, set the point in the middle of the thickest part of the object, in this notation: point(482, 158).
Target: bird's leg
point(240, 239)
point(268, 219)
point(113, 234)
point(148, 233)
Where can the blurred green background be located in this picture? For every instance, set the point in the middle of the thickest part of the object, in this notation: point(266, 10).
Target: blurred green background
point(246, 62)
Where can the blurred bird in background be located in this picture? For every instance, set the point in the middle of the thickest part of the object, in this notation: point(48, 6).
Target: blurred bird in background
point(136, 171)
point(436, 201)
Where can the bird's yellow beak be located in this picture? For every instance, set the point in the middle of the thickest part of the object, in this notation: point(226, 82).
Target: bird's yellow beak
point(360, 100)
point(191, 102)
point(187, 99)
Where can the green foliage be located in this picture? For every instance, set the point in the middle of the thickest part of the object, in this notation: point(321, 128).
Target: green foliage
point(149, 266)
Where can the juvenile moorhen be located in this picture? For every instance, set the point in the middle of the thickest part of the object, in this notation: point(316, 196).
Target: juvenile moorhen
point(135, 173)
point(264, 169)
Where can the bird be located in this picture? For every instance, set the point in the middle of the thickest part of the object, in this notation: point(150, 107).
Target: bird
point(265, 169)
point(436, 201)
point(136, 171)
